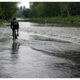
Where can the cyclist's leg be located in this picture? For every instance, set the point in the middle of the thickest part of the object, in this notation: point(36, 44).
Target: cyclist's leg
point(16, 36)
point(13, 33)
point(17, 32)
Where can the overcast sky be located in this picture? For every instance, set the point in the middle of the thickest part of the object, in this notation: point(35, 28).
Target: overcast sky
point(27, 5)
point(23, 3)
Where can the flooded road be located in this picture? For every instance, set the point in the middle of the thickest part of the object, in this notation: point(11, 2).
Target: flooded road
point(41, 51)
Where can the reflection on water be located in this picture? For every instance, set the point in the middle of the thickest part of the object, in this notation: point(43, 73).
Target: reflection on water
point(14, 52)
point(34, 55)
point(15, 47)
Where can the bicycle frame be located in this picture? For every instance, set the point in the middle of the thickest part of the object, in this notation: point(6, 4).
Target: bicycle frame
point(14, 35)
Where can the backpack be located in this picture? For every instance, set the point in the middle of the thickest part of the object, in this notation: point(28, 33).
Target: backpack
point(14, 23)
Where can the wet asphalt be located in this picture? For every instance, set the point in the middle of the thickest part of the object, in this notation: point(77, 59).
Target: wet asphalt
point(41, 51)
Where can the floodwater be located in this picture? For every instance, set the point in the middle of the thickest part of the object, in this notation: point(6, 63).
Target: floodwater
point(41, 51)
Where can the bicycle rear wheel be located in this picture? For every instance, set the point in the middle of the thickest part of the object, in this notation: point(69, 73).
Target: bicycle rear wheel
point(14, 35)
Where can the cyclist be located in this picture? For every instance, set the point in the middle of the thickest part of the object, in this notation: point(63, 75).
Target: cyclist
point(15, 26)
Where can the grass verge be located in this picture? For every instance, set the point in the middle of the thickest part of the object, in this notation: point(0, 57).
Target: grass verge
point(2, 23)
point(71, 20)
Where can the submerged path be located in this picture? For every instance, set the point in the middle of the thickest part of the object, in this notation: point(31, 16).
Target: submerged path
point(40, 52)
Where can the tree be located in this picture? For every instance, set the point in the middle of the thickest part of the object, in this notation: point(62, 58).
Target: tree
point(7, 9)
point(26, 12)
point(51, 9)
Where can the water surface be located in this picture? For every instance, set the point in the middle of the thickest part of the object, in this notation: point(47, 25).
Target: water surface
point(41, 51)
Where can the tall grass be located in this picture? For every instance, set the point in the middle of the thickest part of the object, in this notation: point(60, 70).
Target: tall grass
point(71, 20)
point(2, 23)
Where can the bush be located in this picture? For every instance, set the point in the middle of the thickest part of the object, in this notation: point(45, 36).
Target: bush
point(71, 20)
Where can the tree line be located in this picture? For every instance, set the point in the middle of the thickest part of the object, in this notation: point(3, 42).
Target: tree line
point(51, 9)
point(7, 9)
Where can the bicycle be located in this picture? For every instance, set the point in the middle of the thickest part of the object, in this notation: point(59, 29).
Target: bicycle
point(14, 35)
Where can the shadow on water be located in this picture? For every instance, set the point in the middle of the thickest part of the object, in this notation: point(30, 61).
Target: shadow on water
point(14, 51)
point(72, 69)
point(72, 55)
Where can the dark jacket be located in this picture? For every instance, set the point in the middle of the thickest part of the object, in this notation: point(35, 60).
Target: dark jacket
point(14, 24)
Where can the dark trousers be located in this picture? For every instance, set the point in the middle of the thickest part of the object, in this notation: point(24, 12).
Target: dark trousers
point(13, 30)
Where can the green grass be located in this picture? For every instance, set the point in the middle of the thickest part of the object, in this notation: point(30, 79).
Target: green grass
point(71, 20)
point(2, 23)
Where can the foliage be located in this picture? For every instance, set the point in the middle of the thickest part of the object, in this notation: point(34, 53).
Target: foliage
point(52, 9)
point(7, 9)
point(26, 12)
point(71, 20)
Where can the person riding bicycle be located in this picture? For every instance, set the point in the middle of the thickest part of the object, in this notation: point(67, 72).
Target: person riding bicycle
point(15, 26)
